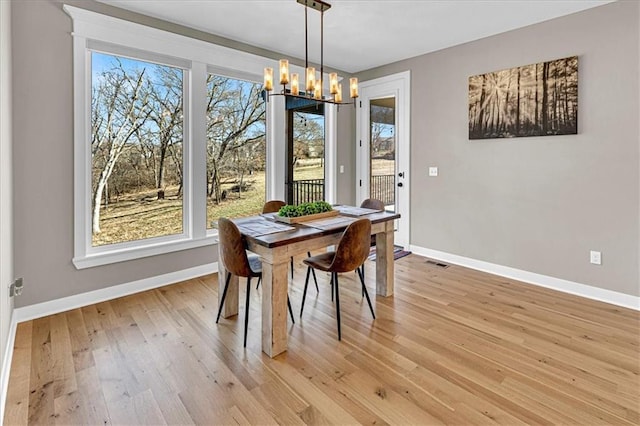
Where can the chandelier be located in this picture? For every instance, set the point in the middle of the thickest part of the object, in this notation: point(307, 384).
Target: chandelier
point(313, 89)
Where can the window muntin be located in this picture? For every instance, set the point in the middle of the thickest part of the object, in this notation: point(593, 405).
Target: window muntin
point(236, 148)
point(137, 137)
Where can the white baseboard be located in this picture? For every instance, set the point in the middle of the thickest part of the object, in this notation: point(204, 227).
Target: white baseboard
point(6, 366)
point(583, 290)
point(51, 307)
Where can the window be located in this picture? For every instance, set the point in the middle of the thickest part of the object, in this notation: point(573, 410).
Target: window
point(236, 148)
point(163, 145)
point(137, 132)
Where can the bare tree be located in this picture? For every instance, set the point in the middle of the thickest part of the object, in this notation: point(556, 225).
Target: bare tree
point(118, 112)
point(165, 96)
point(235, 119)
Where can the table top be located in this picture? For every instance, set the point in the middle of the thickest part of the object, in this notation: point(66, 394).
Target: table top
point(264, 230)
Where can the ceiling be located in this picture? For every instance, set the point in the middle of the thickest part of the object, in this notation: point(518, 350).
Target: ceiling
point(358, 34)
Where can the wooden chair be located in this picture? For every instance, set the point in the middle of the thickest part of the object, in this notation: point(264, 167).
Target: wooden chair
point(350, 253)
point(236, 262)
point(274, 206)
point(374, 204)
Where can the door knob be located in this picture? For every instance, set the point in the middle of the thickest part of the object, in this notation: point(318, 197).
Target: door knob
point(400, 184)
point(401, 174)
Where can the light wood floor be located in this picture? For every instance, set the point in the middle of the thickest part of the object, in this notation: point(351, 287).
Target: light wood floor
point(453, 346)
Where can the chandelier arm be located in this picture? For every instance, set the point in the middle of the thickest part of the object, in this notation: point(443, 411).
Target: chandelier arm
point(321, 50)
point(287, 94)
point(311, 93)
point(306, 40)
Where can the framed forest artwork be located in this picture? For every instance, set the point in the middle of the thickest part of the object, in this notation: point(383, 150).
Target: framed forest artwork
point(533, 100)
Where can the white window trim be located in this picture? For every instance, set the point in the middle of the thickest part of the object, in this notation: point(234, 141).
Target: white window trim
point(93, 26)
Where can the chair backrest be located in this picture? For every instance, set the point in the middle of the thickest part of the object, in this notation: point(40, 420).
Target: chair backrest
point(273, 206)
point(232, 249)
point(353, 248)
point(372, 203)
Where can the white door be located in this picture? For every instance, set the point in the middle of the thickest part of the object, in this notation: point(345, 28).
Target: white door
point(383, 150)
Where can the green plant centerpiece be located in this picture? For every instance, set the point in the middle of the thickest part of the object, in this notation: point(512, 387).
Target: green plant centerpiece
point(305, 211)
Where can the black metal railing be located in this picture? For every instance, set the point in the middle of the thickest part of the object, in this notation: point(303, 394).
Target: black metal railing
point(383, 188)
point(308, 190)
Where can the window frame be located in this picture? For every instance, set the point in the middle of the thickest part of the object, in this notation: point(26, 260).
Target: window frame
point(95, 29)
point(186, 147)
point(96, 32)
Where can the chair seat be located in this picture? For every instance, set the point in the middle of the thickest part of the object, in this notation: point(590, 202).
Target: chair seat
point(321, 261)
point(256, 265)
point(351, 252)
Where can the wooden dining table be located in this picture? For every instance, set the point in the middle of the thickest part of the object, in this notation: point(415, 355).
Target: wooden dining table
point(276, 242)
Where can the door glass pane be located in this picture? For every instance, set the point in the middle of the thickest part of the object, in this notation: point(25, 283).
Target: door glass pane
point(236, 149)
point(382, 151)
point(308, 157)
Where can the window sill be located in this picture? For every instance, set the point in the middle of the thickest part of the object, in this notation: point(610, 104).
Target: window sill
point(123, 255)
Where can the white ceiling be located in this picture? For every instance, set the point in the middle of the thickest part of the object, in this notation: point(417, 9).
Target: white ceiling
point(358, 34)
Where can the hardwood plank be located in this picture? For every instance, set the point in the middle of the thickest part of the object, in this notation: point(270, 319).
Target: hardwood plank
point(94, 406)
point(452, 346)
point(283, 405)
point(62, 354)
point(41, 408)
point(17, 405)
point(80, 341)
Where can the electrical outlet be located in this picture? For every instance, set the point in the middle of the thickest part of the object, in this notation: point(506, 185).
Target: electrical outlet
point(595, 257)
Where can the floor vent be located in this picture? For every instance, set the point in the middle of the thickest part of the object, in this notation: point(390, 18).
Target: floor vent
point(438, 264)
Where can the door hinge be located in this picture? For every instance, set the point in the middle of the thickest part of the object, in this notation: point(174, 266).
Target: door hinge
point(360, 104)
point(16, 287)
point(360, 182)
point(360, 144)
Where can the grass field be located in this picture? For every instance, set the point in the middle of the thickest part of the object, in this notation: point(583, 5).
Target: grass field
point(140, 215)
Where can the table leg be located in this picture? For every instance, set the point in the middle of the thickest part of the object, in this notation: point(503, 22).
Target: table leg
point(230, 307)
point(274, 307)
point(384, 261)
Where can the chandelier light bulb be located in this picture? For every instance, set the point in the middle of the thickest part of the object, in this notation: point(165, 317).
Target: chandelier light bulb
point(338, 94)
point(333, 83)
point(268, 79)
point(311, 79)
point(353, 87)
point(284, 71)
point(295, 84)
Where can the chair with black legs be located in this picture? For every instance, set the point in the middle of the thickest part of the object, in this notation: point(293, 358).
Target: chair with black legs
point(350, 253)
point(274, 206)
point(236, 262)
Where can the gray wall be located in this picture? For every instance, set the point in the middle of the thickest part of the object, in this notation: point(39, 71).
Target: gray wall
point(539, 203)
point(43, 156)
point(346, 154)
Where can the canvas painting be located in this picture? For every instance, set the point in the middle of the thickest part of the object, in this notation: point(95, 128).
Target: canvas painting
point(533, 100)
